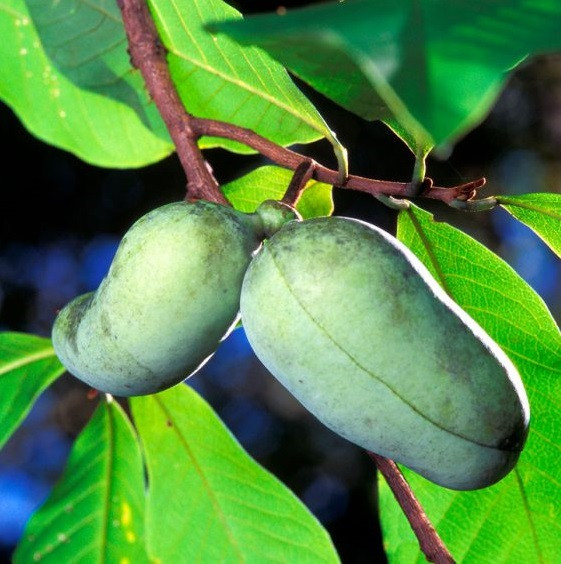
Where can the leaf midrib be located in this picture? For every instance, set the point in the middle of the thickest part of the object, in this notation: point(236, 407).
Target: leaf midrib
point(28, 359)
point(288, 108)
point(528, 513)
point(213, 498)
point(528, 206)
point(443, 280)
point(429, 250)
point(520, 484)
point(11, 11)
point(251, 89)
point(103, 555)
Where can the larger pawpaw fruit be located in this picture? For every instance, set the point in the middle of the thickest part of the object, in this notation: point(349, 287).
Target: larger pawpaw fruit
point(350, 321)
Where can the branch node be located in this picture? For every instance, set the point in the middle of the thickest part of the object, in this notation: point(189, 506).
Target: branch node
point(426, 186)
point(289, 159)
point(470, 205)
point(415, 189)
point(469, 190)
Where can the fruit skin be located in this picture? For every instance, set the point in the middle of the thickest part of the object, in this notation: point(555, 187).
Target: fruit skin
point(170, 297)
point(355, 327)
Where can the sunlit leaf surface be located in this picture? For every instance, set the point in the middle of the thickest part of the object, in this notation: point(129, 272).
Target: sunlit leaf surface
point(208, 501)
point(99, 129)
point(270, 183)
point(28, 365)
point(219, 79)
point(67, 74)
point(96, 511)
point(540, 212)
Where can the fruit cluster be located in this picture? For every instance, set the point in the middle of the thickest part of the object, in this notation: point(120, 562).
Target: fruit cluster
point(343, 314)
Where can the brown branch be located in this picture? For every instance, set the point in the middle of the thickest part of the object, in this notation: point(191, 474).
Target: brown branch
point(149, 56)
point(430, 543)
point(289, 159)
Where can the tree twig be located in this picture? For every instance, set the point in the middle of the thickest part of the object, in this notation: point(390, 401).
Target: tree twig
point(430, 543)
point(149, 56)
point(290, 159)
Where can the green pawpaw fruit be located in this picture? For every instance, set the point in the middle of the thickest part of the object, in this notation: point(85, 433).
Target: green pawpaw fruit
point(170, 297)
point(356, 328)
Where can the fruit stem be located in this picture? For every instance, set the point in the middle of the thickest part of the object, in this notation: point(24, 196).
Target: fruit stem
point(303, 172)
point(148, 55)
point(429, 541)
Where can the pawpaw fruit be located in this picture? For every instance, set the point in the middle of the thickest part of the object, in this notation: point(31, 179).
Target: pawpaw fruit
point(357, 329)
point(170, 296)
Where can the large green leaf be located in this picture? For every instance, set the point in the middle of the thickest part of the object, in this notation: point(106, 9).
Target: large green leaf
point(219, 79)
point(208, 501)
point(100, 130)
point(518, 519)
point(96, 512)
point(432, 69)
point(28, 365)
point(540, 212)
point(270, 183)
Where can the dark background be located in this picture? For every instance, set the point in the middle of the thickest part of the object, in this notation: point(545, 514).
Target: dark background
point(61, 221)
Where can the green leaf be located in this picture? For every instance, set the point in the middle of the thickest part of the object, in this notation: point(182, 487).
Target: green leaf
point(270, 183)
point(28, 365)
point(208, 501)
point(86, 41)
point(517, 520)
point(98, 129)
point(432, 70)
point(219, 79)
point(96, 512)
point(540, 212)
